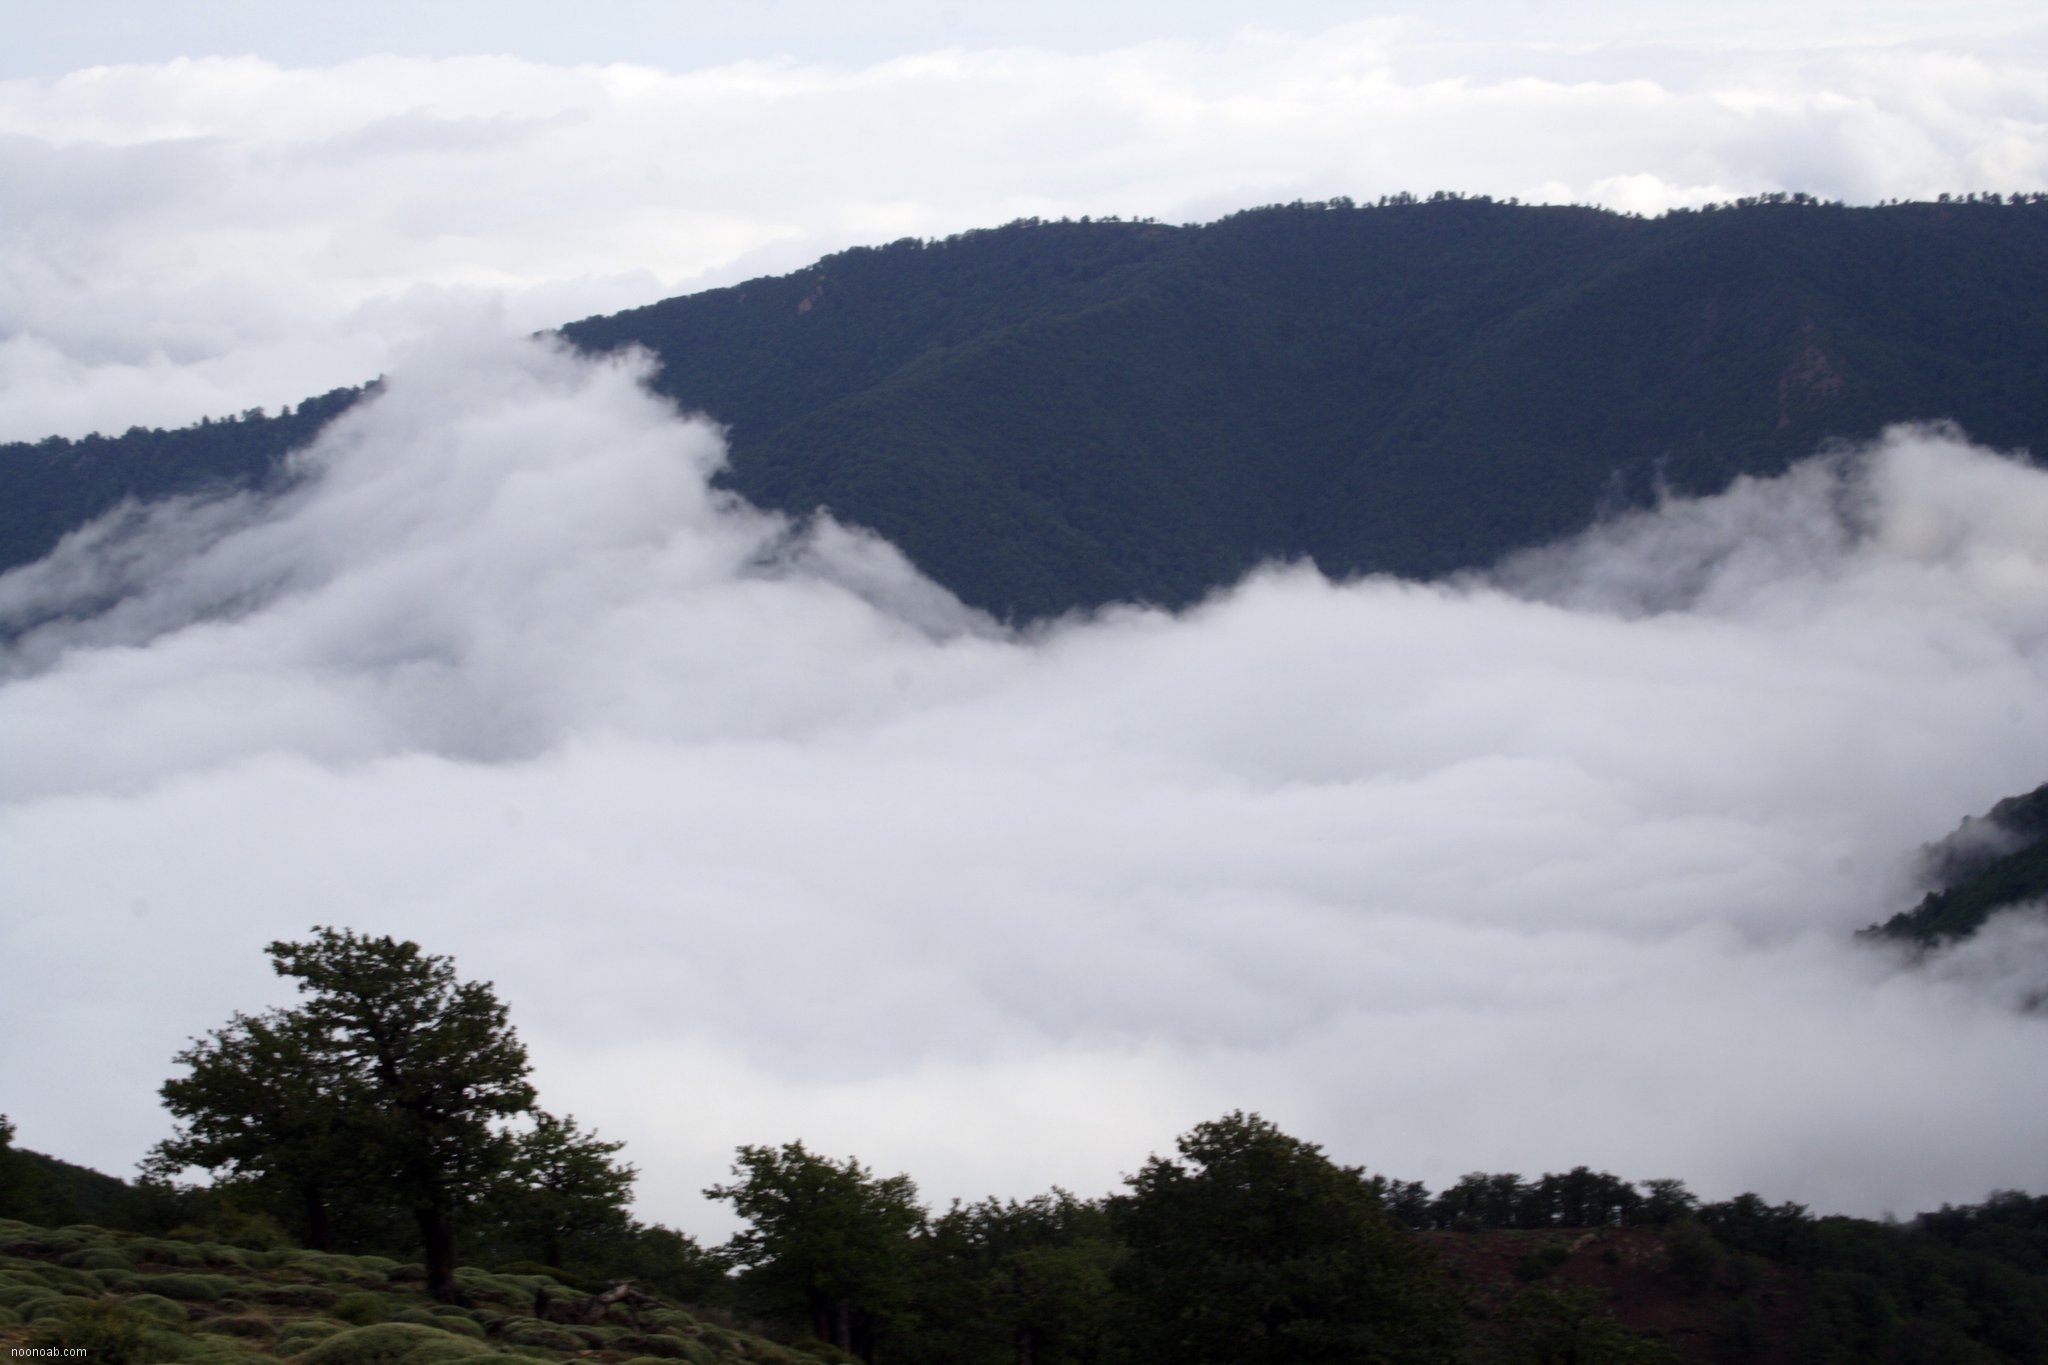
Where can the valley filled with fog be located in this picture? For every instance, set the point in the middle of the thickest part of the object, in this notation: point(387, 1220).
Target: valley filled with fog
point(762, 835)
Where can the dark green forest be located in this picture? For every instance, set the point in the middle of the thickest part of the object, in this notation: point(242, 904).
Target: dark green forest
point(1051, 415)
point(1993, 862)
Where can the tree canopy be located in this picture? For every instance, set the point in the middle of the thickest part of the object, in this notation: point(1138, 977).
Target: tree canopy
point(1254, 1248)
point(829, 1239)
point(393, 1083)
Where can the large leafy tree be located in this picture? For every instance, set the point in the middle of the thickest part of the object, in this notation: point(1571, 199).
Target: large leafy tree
point(564, 1190)
point(828, 1238)
point(1254, 1248)
point(390, 1075)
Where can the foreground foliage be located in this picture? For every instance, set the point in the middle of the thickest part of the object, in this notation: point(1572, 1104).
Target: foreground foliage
point(129, 1299)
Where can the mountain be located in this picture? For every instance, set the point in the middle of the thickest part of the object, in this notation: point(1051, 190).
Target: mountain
point(1047, 416)
point(1991, 863)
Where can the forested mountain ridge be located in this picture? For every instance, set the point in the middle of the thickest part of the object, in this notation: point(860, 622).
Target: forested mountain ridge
point(1055, 415)
point(1993, 862)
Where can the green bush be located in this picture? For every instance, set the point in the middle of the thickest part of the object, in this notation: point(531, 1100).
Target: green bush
point(241, 1325)
point(296, 1336)
point(191, 1288)
point(458, 1321)
point(8, 1317)
point(107, 1332)
point(116, 1279)
point(296, 1295)
point(49, 1304)
point(529, 1332)
point(664, 1347)
point(15, 1293)
point(392, 1343)
point(1691, 1255)
point(222, 1351)
point(1540, 1262)
point(66, 1281)
point(360, 1308)
point(157, 1251)
point(95, 1258)
point(157, 1307)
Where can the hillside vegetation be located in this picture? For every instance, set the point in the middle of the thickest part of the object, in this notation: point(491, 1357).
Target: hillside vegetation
point(1993, 862)
point(1055, 415)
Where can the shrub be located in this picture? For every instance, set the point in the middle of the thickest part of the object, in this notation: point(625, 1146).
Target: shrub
point(48, 1304)
point(296, 1295)
point(392, 1343)
point(294, 1337)
point(66, 1281)
point(242, 1325)
point(158, 1307)
point(1540, 1262)
point(13, 1294)
point(157, 1251)
point(459, 1322)
point(528, 1332)
point(667, 1348)
point(221, 1351)
point(191, 1288)
point(360, 1309)
point(95, 1258)
point(106, 1331)
point(1691, 1255)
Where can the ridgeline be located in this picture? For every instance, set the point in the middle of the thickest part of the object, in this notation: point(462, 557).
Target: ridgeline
point(1052, 415)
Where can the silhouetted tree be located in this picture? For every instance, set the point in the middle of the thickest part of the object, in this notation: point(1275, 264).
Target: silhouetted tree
point(1253, 1248)
point(825, 1238)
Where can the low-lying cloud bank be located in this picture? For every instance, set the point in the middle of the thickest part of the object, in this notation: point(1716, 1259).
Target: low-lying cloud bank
point(202, 236)
point(763, 836)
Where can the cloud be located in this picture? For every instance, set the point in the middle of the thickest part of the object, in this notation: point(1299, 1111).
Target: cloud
point(205, 235)
point(763, 836)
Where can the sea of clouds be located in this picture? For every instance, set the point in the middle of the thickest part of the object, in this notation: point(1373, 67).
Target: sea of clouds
point(763, 836)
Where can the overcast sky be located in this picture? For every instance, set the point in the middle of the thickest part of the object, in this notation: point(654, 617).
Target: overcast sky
point(1514, 874)
point(222, 206)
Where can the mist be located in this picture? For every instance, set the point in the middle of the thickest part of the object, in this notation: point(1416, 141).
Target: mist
point(763, 836)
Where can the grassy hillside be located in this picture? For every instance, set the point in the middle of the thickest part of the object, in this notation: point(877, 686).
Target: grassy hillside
point(125, 1299)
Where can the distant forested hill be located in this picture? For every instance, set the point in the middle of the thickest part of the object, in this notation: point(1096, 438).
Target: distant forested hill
point(1053, 415)
point(1993, 862)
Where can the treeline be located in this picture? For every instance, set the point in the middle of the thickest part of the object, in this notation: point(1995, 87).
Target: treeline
point(1050, 415)
point(389, 1113)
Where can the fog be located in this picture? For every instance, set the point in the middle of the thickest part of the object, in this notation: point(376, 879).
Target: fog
point(762, 836)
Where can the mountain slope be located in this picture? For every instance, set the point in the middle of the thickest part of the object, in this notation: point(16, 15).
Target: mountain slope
point(1993, 862)
point(1055, 415)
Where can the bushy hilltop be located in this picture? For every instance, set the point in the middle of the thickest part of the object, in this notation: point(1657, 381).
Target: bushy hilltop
point(1051, 415)
point(119, 1298)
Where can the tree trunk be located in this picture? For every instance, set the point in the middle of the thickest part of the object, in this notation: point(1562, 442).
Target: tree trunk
point(842, 1325)
point(318, 1230)
point(438, 1236)
point(1024, 1338)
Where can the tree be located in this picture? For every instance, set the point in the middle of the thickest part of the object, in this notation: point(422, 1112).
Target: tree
point(256, 1106)
point(391, 1074)
point(563, 1186)
point(1256, 1249)
point(826, 1237)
